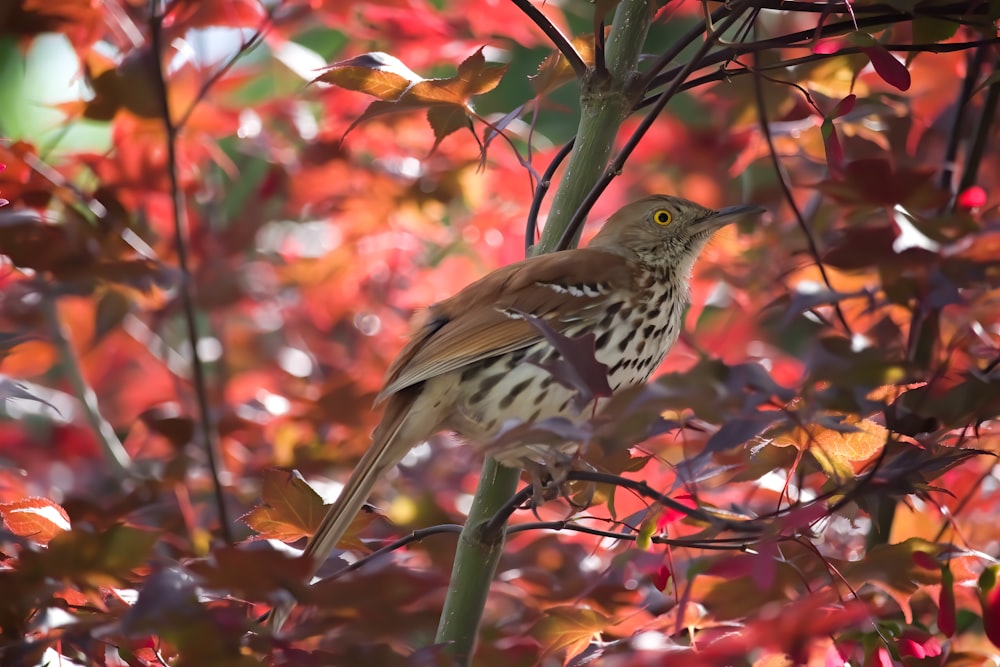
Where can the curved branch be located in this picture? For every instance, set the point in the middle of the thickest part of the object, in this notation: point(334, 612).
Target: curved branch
point(786, 190)
point(560, 40)
point(544, 183)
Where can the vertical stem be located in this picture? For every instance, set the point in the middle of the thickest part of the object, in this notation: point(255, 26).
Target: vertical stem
point(605, 101)
point(209, 435)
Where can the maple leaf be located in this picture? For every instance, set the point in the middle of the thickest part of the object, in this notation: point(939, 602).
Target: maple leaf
point(398, 88)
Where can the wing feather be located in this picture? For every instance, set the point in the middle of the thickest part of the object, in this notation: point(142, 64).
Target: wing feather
point(481, 321)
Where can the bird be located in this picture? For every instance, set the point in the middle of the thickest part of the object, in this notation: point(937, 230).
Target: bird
point(479, 360)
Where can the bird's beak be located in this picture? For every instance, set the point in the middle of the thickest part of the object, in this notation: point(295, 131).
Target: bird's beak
point(724, 216)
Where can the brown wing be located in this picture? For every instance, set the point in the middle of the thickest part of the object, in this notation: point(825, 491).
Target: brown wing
point(482, 320)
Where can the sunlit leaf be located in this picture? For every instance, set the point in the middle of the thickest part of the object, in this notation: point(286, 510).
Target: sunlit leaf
point(38, 519)
point(568, 629)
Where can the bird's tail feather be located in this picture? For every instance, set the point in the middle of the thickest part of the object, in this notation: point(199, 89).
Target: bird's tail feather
point(390, 443)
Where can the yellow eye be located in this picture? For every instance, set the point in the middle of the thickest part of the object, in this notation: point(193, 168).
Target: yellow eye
point(662, 217)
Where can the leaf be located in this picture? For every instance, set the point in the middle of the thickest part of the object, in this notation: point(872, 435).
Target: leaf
point(290, 510)
point(38, 519)
point(989, 597)
point(445, 120)
point(661, 578)
point(169, 420)
point(844, 106)
point(739, 431)
point(568, 629)
point(399, 89)
point(252, 573)
point(474, 77)
point(886, 66)
point(891, 568)
point(556, 71)
point(840, 453)
point(946, 602)
point(577, 366)
point(93, 558)
point(378, 74)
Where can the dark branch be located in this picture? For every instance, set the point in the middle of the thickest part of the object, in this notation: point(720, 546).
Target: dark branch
point(209, 435)
point(544, 183)
point(553, 33)
point(787, 191)
point(975, 64)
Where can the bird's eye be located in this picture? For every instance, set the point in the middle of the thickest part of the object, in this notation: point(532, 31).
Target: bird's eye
point(662, 217)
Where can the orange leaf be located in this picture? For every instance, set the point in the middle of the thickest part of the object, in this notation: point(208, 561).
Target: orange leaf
point(376, 73)
point(841, 454)
point(568, 629)
point(38, 519)
point(291, 509)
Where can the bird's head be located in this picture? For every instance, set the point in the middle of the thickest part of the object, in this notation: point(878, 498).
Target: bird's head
point(663, 229)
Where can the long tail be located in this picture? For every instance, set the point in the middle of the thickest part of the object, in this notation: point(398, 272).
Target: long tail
point(390, 443)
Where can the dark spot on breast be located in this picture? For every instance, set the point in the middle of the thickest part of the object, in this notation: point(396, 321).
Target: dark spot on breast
point(484, 387)
point(486, 363)
point(624, 342)
point(534, 415)
point(515, 358)
point(546, 383)
point(515, 391)
point(648, 330)
point(565, 404)
point(603, 339)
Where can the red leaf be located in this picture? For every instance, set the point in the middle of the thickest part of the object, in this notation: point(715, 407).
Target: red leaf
point(989, 596)
point(918, 644)
point(886, 66)
point(669, 515)
point(972, 197)
point(925, 560)
point(946, 602)
point(844, 106)
point(882, 658)
point(661, 578)
point(828, 47)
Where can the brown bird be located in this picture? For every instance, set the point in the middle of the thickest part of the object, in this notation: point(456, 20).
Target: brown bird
point(475, 362)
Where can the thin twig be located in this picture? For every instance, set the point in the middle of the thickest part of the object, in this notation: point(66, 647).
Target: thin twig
point(981, 138)
point(792, 7)
point(555, 35)
point(787, 191)
point(544, 183)
point(209, 434)
point(685, 41)
point(246, 47)
point(974, 65)
point(114, 451)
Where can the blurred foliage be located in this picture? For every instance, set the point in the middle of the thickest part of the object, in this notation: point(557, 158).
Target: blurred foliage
point(830, 411)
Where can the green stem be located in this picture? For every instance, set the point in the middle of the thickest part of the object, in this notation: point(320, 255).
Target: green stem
point(476, 558)
point(605, 100)
point(114, 451)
